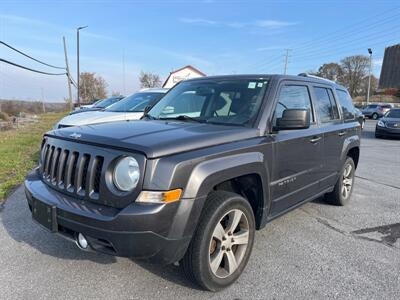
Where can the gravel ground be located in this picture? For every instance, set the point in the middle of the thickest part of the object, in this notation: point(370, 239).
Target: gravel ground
point(317, 251)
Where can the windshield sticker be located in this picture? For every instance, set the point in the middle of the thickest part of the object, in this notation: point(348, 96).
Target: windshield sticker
point(252, 85)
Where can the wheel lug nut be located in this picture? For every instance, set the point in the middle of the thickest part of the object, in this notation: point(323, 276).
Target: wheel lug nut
point(229, 249)
point(229, 233)
point(232, 240)
point(223, 238)
point(223, 248)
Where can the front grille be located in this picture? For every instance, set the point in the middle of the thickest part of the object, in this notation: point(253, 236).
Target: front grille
point(72, 171)
point(393, 125)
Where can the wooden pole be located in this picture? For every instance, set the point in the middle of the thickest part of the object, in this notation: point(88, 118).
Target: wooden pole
point(68, 75)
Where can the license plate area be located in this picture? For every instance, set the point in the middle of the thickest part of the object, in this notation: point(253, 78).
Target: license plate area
point(45, 215)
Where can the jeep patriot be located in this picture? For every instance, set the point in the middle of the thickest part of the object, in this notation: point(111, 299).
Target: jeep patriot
point(211, 162)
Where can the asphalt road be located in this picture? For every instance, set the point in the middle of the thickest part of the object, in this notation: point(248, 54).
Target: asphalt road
point(317, 251)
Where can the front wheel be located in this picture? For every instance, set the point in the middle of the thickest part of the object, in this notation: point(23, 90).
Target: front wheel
point(223, 241)
point(344, 186)
point(375, 116)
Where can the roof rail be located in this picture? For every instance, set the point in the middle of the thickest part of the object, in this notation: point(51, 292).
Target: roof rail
point(316, 77)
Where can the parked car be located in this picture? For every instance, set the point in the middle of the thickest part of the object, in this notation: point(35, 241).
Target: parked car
point(99, 105)
point(360, 117)
point(214, 160)
point(389, 125)
point(376, 111)
point(129, 108)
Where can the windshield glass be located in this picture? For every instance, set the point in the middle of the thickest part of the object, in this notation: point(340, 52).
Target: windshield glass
point(220, 101)
point(135, 103)
point(105, 102)
point(394, 113)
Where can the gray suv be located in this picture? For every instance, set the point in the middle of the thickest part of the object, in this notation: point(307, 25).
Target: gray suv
point(376, 111)
point(216, 159)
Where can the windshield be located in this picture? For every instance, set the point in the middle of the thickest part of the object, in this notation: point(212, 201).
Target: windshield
point(394, 113)
point(105, 102)
point(135, 103)
point(220, 101)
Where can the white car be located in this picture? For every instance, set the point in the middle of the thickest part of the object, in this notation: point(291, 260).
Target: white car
point(129, 108)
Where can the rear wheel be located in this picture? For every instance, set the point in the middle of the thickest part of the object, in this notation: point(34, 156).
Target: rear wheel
point(344, 186)
point(222, 243)
point(375, 116)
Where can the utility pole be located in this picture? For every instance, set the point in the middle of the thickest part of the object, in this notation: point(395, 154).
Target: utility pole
point(286, 60)
point(370, 73)
point(77, 59)
point(43, 106)
point(123, 72)
point(68, 75)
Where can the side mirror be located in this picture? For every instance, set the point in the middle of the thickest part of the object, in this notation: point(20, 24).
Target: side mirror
point(294, 119)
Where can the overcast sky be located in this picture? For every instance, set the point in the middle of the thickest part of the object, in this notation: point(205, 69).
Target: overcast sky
point(218, 37)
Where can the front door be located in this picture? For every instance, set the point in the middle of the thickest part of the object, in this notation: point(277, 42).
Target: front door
point(297, 164)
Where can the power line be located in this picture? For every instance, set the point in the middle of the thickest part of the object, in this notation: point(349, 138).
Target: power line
point(26, 55)
point(29, 69)
point(327, 38)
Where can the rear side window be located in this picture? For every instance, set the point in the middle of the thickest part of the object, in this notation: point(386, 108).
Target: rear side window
point(347, 105)
point(293, 96)
point(326, 105)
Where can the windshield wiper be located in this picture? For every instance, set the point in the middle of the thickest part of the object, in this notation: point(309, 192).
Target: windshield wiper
point(150, 117)
point(184, 118)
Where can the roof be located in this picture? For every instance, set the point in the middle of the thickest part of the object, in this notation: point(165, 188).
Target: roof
point(185, 67)
point(153, 90)
point(273, 77)
point(390, 73)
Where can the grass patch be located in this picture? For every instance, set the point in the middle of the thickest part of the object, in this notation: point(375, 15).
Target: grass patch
point(19, 151)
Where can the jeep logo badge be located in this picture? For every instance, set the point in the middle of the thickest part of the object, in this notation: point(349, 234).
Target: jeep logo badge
point(75, 135)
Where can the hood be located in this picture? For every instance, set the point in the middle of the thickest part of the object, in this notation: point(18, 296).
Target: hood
point(94, 117)
point(394, 120)
point(156, 138)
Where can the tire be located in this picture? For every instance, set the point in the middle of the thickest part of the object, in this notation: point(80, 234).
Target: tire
point(212, 242)
point(378, 136)
point(375, 116)
point(344, 186)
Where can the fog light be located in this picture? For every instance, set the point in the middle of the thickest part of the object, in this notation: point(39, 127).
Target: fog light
point(82, 242)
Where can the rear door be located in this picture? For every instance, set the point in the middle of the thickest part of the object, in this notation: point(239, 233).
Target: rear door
point(297, 155)
point(334, 132)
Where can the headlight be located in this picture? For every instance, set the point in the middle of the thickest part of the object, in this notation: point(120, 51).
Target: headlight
point(126, 174)
point(381, 123)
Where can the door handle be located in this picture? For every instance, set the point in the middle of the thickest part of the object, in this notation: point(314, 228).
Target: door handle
point(341, 133)
point(315, 139)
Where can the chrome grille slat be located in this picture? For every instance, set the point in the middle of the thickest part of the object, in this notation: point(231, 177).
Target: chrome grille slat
point(50, 163)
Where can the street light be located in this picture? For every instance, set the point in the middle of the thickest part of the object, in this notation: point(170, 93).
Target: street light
point(77, 58)
point(370, 71)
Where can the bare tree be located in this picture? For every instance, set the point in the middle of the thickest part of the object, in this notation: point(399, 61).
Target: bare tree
point(149, 80)
point(364, 85)
point(92, 87)
point(331, 71)
point(354, 70)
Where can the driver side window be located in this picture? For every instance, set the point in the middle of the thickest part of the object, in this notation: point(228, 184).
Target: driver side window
point(293, 96)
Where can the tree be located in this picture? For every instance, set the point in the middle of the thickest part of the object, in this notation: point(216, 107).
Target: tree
point(331, 71)
point(149, 80)
point(354, 70)
point(92, 87)
point(364, 85)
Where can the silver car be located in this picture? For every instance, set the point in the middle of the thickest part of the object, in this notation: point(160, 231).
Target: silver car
point(129, 108)
point(375, 111)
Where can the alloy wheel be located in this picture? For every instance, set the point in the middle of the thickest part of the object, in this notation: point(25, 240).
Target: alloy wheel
point(228, 243)
point(347, 182)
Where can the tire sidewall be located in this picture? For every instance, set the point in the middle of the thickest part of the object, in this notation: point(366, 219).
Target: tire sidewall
point(211, 281)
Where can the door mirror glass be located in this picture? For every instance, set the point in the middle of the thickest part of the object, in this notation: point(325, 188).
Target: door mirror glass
point(294, 118)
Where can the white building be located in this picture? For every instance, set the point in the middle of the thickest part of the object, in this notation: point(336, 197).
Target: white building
point(182, 74)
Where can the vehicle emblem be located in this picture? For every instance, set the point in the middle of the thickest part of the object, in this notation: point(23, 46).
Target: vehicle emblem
point(75, 135)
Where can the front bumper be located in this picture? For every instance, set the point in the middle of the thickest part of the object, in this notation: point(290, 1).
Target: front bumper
point(384, 131)
point(157, 232)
